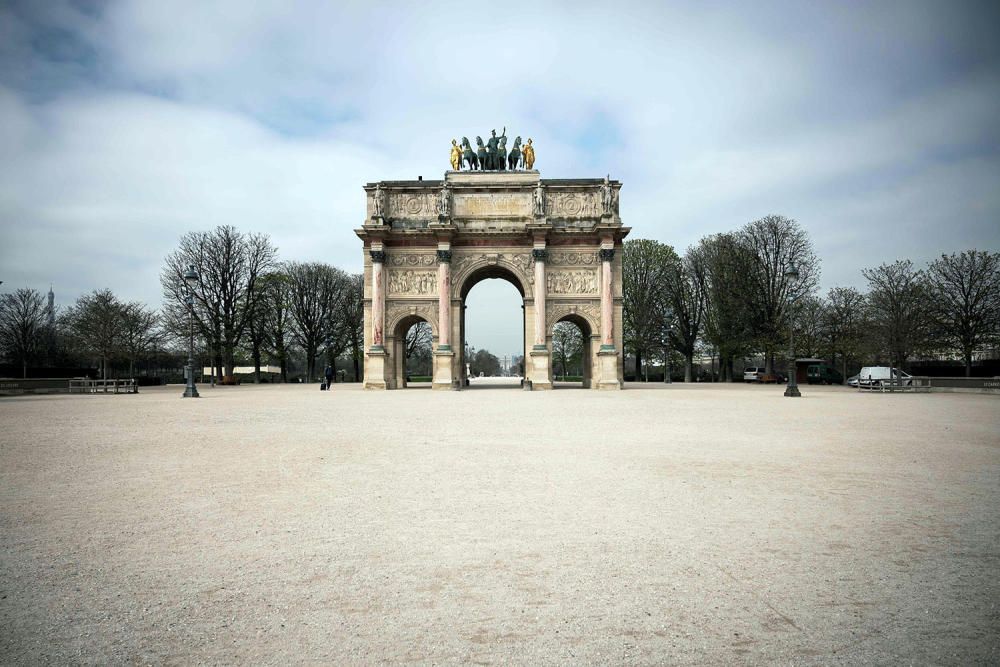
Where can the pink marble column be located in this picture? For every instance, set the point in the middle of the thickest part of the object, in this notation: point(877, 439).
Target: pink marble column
point(444, 299)
point(607, 311)
point(378, 299)
point(540, 255)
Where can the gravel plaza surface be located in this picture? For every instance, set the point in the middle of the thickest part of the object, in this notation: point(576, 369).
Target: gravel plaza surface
point(680, 524)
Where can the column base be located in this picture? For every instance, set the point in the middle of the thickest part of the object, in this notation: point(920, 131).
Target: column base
point(443, 369)
point(608, 368)
point(793, 391)
point(539, 378)
point(375, 368)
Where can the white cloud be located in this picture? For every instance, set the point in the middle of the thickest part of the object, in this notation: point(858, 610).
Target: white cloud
point(864, 125)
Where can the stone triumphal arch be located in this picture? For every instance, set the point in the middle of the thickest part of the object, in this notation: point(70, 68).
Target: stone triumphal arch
point(558, 241)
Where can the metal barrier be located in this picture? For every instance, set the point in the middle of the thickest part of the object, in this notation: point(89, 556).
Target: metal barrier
point(893, 384)
point(114, 386)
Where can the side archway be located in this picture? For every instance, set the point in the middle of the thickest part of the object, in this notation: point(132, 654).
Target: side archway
point(398, 322)
point(588, 324)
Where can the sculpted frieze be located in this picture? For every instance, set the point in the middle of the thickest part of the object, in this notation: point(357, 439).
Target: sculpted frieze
point(579, 281)
point(411, 259)
point(411, 205)
point(586, 258)
point(411, 282)
point(572, 204)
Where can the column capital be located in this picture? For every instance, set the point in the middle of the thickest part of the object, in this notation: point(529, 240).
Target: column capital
point(540, 254)
point(444, 256)
point(377, 255)
point(606, 254)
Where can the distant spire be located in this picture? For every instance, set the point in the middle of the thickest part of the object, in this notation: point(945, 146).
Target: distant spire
point(51, 310)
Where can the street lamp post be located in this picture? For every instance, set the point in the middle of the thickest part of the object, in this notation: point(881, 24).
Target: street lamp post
point(191, 278)
point(792, 273)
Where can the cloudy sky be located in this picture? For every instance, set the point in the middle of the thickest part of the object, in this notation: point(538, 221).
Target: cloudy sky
point(123, 125)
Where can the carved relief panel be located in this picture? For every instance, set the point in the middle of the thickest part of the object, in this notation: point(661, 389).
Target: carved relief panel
point(411, 282)
point(571, 281)
point(572, 204)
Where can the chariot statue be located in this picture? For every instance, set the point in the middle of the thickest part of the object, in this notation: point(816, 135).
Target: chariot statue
point(492, 155)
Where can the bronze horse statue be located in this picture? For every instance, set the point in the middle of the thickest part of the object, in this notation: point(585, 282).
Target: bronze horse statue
point(500, 159)
point(468, 157)
point(484, 156)
point(515, 159)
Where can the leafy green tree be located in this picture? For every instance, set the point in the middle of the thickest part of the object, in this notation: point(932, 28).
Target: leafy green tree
point(645, 276)
point(728, 318)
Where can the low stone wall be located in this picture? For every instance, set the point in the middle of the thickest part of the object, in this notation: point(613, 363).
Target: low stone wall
point(959, 384)
point(13, 386)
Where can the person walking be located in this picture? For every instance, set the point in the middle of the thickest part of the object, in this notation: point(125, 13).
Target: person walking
point(329, 377)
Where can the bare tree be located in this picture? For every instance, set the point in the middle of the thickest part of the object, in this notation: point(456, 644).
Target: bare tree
point(899, 308)
point(775, 242)
point(276, 318)
point(845, 325)
point(567, 346)
point(644, 279)
point(140, 332)
point(686, 294)
point(22, 326)
point(419, 340)
point(419, 336)
point(231, 265)
point(315, 290)
point(965, 291)
point(96, 323)
point(809, 317)
point(351, 320)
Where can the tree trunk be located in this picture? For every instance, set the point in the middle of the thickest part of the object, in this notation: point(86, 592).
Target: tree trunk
point(310, 362)
point(24, 368)
point(729, 370)
point(256, 364)
point(230, 358)
point(638, 364)
point(688, 367)
point(968, 363)
point(357, 366)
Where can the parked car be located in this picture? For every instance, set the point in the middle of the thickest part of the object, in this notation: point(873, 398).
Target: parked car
point(773, 378)
point(876, 376)
point(753, 373)
point(823, 374)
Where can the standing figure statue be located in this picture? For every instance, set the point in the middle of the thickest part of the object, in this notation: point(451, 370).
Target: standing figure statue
point(468, 157)
point(482, 154)
point(529, 155)
point(514, 159)
point(492, 145)
point(538, 200)
point(444, 201)
point(501, 157)
point(378, 201)
point(607, 196)
point(456, 156)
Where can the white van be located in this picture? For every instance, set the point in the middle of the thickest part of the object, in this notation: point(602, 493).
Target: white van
point(877, 375)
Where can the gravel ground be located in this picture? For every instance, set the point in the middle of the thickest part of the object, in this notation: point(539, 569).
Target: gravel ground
point(669, 524)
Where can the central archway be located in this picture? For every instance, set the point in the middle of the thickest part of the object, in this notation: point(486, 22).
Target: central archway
point(471, 278)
